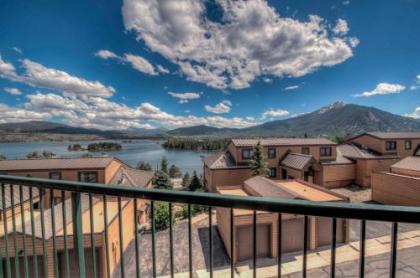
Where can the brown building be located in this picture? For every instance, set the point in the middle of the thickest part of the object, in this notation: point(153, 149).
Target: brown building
point(267, 222)
point(107, 170)
point(400, 185)
point(400, 144)
point(299, 158)
point(99, 237)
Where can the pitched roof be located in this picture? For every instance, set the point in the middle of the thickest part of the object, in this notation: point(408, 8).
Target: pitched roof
point(352, 151)
point(395, 135)
point(296, 160)
point(290, 189)
point(132, 177)
point(16, 197)
point(219, 160)
point(411, 163)
point(282, 142)
point(55, 163)
point(261, 186)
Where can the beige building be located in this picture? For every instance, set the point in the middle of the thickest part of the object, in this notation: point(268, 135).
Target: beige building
point(267, 223)
point(99, 237)
point(400, 185)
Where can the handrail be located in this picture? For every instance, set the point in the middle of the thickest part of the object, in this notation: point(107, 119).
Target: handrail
point(326, 209)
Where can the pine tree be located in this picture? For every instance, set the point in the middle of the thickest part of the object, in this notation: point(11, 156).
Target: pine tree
point(145, 166)
point(174, 172)
point(164, 165)
point(186, 180)
point(161, 180)
point(258, 163)
point(195, 183)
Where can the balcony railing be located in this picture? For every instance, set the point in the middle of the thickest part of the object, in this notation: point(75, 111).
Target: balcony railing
point(81, 237)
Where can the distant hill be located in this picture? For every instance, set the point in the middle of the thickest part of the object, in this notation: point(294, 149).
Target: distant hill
point(203, 130)
point(334, 119)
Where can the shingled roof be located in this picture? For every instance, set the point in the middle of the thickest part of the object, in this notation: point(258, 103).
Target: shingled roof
point(411, 163)
point(352, 151)
point(219, 160)
point(282, 142)
point(395, 135)
point(263, 187)
point(297, 161)
point(55, 163)
point(132, 177)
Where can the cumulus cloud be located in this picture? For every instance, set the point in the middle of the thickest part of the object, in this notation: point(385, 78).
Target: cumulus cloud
point(220, 108)
point(353, 41)
point(416, 84)
point(38, 75)
point(140, 64)
point(383, 89)
point(341, 28)
point(12, 91)
point(102, 113)
point(17, 49)
point(274, 113)
point(415, 114)
point(106, 54)
point(185, 97)
point(289, 88)
point(251, 41)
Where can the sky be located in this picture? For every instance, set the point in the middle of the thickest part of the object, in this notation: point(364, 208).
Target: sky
point(224, 63)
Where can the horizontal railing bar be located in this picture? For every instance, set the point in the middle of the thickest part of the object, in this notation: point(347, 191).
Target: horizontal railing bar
point(371, 212)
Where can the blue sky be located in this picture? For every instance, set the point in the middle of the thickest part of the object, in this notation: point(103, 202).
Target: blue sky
point(145, 63)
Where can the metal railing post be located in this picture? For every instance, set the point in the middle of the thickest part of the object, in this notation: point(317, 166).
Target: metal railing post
point(78, 232)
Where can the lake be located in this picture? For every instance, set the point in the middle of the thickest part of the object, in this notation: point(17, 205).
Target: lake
point(131, 153)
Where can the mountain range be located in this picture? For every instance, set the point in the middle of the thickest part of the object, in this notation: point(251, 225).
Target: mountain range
point(335, 119)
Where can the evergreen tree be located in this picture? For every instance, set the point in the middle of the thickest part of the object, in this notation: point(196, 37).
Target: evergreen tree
point(161, 180)
point(186, 180)
point(164, 165)
point(195, 183)
point(145, 166)
point(258, 162)
point(174, 172)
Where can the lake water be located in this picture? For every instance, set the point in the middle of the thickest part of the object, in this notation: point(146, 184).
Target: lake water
point(131, 153)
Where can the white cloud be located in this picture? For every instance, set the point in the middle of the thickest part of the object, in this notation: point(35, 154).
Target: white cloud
point(415, 114)
point(341, 28)
point(185, 97)
point(253, 40)
point(12, 91)
point(274, 113)
point(353, 41)
point(346, 2)
point(106, 54)
point(416, 84)
point(10, 114)
point(162, 69)
point(220, 108)
point(289, 88)
point(141, 64)
point(383, 89)
point(37, 75)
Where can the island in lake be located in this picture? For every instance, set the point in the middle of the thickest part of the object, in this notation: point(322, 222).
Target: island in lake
point(96, 147)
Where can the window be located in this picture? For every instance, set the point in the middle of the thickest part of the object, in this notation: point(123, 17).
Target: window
point(305, 150)
point(271, 153)
point(88, 176)
point(247, 153)
point(408, 144)
point(55, 175)
point(325, 151)
point(272, 172)
point(391, 145)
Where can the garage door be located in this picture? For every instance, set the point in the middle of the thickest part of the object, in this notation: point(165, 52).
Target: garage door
point(245, 240)
point(292, 235)
point(323, 228)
